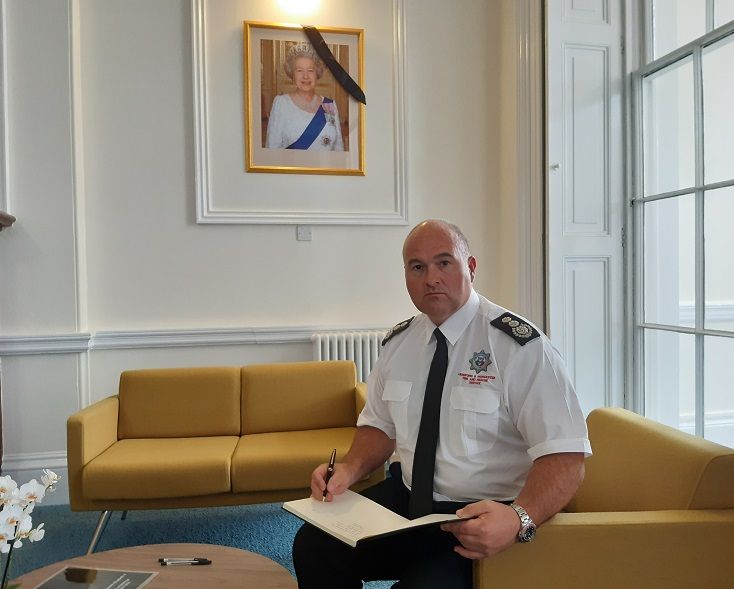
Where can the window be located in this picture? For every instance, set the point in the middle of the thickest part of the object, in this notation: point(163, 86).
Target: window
point(683, 206)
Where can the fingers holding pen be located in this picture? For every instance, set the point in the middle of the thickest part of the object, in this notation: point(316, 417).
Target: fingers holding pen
point(320, 478)
point(337, 484)
point(329, 473)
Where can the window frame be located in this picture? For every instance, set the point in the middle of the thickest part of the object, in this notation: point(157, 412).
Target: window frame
point(638, 327)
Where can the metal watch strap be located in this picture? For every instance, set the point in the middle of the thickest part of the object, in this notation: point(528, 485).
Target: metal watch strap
point(527, 525)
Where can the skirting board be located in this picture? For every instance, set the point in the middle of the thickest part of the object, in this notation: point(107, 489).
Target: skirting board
point(24, 467)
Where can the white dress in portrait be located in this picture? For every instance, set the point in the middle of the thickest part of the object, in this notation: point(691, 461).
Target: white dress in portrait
point(287, 123)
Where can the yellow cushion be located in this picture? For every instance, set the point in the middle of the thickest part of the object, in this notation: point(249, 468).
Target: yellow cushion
point(159, 468)
point(285, 460)
point(179, 402)
point(298, 396)
point(641, 465)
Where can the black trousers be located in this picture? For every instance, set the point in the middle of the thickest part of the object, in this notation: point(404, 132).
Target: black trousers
point(422, 559)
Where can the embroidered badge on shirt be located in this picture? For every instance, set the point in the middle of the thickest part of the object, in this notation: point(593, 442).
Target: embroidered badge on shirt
point(402, 326)
point(480, 361)
point(516, 328)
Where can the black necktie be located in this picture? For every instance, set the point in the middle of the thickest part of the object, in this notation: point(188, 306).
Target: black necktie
point(424, 460)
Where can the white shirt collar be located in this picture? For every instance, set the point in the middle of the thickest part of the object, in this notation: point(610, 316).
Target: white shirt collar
point(455, 325)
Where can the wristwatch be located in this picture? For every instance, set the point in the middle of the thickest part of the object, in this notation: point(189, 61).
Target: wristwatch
point(527, 526)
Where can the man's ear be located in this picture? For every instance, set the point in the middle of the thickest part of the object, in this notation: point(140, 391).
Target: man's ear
point(472, 267)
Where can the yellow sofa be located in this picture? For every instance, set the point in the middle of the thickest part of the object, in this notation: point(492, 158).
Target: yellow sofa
point(201, 437)
point(656, 510)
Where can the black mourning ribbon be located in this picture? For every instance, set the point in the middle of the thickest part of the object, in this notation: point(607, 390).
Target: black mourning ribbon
point(334, 66)
point(424, 460)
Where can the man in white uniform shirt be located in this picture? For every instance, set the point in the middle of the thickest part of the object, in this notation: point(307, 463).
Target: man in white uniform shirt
point(511, 439)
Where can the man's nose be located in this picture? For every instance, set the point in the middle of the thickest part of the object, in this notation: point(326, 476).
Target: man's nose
point(432, 274)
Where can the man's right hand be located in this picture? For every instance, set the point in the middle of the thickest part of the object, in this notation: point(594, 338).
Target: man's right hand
point(339, 482)
point(370, 448)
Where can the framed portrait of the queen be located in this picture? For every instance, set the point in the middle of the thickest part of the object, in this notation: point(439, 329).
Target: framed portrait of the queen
point(298, 117)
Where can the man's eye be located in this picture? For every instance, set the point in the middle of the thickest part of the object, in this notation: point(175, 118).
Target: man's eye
point(416, 267)
point(444, 263)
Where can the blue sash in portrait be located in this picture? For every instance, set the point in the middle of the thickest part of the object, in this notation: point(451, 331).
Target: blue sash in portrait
point(315, 126)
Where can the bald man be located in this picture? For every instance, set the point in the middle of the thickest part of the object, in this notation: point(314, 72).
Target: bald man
point(510, 439)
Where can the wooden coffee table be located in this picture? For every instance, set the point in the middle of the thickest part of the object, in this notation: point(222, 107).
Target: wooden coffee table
point(231, 567)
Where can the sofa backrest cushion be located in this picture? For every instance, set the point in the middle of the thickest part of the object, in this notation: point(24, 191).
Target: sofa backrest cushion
point(298, 396)
point(179, 402)
point(640, 465)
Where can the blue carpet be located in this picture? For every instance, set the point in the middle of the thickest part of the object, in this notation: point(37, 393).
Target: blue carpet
point(266, 529)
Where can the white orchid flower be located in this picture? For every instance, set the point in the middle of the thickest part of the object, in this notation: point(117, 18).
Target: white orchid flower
point(32, 492)
point(24, 525)
point(7, 486)
point(49, 480)
point(17, 504)
point(37, 534)
point(7, 535)
point(11, 514)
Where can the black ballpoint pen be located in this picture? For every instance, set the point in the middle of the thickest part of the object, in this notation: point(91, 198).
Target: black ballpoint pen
point(329, 472)
point(198, 561)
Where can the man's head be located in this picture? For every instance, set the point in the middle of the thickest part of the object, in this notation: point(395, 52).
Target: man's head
point(439, 269)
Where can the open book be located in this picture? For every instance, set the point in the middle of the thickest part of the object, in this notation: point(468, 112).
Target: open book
point(353, 518)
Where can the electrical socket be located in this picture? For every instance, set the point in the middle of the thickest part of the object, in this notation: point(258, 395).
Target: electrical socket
point(303, 232)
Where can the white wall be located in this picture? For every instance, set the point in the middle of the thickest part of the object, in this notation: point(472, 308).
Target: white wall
point(101, 174)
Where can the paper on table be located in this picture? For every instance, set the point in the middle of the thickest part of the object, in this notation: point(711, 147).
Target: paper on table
point(353, 518)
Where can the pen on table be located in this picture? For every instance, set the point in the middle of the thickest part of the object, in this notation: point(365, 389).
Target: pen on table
point(184, 561)
point(329, 472)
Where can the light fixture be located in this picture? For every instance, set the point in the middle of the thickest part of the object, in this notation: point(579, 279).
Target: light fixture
point(299, 7)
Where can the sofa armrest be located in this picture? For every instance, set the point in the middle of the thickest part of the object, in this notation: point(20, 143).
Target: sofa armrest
point(89, 432)
point(360, 395)
point(652, 549)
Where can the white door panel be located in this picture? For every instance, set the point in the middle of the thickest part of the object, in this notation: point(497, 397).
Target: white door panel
point(586, 195)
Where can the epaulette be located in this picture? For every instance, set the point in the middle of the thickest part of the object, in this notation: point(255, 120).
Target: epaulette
point(516, 328)
point(402, 326)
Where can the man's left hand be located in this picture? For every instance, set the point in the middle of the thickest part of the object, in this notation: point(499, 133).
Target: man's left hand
point(494, 528)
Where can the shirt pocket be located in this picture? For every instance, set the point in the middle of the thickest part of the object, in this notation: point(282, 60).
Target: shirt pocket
point(396, 395)
point(475, 418)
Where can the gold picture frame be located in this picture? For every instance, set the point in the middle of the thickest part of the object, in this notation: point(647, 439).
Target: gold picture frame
point(337, 147)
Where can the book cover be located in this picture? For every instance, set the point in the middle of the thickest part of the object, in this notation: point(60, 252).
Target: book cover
point(87, 578)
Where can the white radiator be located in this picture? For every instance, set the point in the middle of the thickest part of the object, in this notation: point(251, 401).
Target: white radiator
point(362, 347)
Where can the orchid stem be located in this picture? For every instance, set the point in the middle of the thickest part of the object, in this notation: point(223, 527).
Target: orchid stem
point(3, 585)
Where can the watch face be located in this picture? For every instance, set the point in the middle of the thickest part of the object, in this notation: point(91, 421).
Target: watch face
point(527, 534)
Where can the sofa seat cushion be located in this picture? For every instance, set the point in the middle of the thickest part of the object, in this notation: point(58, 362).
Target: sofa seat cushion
point(161, 468)
point(285, 460)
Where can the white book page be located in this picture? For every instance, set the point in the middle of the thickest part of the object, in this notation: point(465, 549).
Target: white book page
point(352, 517)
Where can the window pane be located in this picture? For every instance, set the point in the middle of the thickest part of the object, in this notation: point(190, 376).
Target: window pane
point(719, 270)
point(667, 134)
point(723, 12)
point(670, 378)
point(718, 97)
point(677, 22)
point(669, 261)
point(718, 397)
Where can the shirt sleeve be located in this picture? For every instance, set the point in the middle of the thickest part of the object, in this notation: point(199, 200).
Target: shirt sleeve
point(375, 412)
point(543, 403)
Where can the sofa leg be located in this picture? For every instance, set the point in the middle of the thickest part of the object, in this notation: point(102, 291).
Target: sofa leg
point(104, 517)
point(123, 516)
